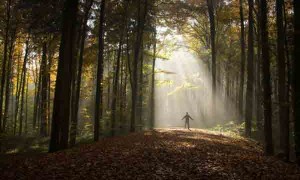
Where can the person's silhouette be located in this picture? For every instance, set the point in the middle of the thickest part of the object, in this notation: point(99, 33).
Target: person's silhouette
point(187, 118)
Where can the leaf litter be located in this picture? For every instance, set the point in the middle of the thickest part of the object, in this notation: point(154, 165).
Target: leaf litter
point(158, 154)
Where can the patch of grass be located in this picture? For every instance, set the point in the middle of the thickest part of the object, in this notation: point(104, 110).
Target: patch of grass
point(231, 129)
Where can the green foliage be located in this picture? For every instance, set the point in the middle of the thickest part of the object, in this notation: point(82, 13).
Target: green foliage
point(160, 83)
point(230, 128)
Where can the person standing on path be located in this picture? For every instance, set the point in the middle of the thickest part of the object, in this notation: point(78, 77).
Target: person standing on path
point(187, 118)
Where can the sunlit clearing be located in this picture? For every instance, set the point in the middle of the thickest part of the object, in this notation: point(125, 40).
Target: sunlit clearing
point(184, 85)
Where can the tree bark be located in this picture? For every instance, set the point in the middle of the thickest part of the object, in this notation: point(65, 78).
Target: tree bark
point(18, 92)
point(250, 74)
point(61, 106)
point(99, 81)
point(213, 52)
point(259, 121)
point(266, 80)
point(140, 90)
point(243, 60)
point(282, 91)
point(296, 76)
point(9, 78)
point(37, 100)
point(22, 85)
point(115, 87)
point(44, 92)
point(140, 30)
point(4, 62)
point(79, 74)
point(152, 96)
point(26, 106)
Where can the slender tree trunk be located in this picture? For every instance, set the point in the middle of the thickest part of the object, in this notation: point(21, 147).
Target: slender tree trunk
point(44, 92)
point(12, 106)
point(18, 92)
point(50, 58)
point(124, 102)
point(152, 96)
point(140, 90)
point(26, 105)
point(243, 60)
point(259, 120)
point(79, 74)
point(290, 66)
point(121, 91)
point(213, 52)
point(22, 85)
point(129, 64)
point(99, 86)
point(115, 87)
point(266, 79)
point(36, 98)
point(4, 62)
point(117, 71)
point(61, 106)
point(250, 76)
point(281, 70)
point(282, 91)
point(139, 37)
point(9, 79)
point(296, 76)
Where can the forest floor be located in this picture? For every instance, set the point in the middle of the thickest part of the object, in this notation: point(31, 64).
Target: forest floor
point(159, 154)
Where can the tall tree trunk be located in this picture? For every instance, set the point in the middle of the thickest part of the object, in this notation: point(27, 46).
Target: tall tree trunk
point(37, 100)
point(296, 76)
point(290, 66)
point(250, 74)
point(282, 91)
point(18, 92)
point(22, 85)
point(210, 6)
point(259, 121)
point(139, 36)
point(115, 87)
point(152, 96)
point(61, 106)
point(26, 105)
point(140, 90)
point(50, 59)
point(243, 60)
point(8, 78)
point(78, 35)
point(117, 71)
point(4, 62)
point(44, 92)
point(266, 79)
point(99, 86)
point(79, 74)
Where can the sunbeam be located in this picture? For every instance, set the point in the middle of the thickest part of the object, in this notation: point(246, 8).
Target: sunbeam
point(184, 85)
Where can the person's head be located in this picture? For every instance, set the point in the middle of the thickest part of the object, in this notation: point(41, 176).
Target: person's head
point(187, 113)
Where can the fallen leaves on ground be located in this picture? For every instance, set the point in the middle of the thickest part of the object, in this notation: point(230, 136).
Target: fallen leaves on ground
point(159, 154)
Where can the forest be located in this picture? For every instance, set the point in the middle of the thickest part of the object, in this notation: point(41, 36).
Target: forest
point(149, 89)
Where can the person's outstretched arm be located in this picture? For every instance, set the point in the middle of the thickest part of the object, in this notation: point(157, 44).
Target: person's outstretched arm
point(183, 117)
point(191, 118)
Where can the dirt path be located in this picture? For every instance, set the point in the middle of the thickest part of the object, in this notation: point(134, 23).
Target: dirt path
point(160, 154)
